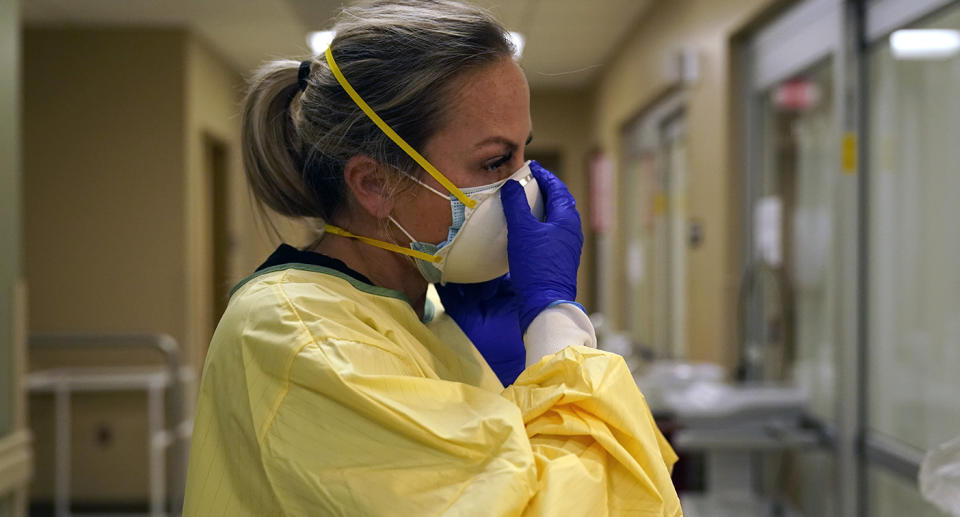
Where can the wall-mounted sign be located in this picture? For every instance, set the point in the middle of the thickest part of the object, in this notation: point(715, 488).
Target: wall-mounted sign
point(797, 95)
point(768, 228)
point(601, 192)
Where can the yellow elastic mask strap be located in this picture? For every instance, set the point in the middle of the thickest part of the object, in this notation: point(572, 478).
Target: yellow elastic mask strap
point(336, 230)
point(387, 130)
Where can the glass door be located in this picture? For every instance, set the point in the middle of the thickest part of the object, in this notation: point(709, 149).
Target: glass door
point(791, 286)
point(794, 286)
point(913, 312)
point(853, 294)
point(655, 228)
point(791, 283)
point(674, 178)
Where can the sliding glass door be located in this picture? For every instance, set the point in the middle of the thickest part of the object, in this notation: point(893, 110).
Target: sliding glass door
point(655, 228)
point(853, 157)
point(914, 239)
point(794, 286)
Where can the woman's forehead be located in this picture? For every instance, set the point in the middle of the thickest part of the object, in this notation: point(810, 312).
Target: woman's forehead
point(494, 98)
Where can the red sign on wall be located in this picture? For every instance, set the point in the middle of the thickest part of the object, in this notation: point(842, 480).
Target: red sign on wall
point(601, 192)
point(797, 95)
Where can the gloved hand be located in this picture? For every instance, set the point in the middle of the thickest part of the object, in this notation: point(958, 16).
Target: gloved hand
point(488, 313)
point(544, 256)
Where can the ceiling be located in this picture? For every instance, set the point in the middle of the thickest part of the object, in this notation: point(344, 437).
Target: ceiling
point(567, 40)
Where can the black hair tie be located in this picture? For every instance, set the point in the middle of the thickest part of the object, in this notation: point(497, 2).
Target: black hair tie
point(303, 75)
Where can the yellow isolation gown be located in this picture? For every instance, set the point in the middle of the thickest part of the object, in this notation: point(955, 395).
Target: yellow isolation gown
point(323, 395)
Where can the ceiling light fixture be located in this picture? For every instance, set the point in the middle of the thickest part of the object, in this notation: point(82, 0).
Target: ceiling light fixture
point(925, 44)
point(319, 41)
point(518, 43)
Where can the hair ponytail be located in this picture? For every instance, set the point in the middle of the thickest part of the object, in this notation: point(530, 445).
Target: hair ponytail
point(272, 146)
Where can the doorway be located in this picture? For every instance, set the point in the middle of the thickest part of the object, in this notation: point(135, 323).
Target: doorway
point(216, 167)
point(655, 227)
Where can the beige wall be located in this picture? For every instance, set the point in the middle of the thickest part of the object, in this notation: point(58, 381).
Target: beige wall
point(561, 124)
point(633, 79)
point(117, 218)
point(104, 212)
point(104, 160)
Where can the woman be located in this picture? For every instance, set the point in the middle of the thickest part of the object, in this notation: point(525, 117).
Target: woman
point(331, 386)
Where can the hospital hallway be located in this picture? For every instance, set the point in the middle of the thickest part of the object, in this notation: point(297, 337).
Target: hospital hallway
point(769, 201)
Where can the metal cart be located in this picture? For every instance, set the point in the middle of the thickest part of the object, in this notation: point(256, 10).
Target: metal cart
point(169, 425)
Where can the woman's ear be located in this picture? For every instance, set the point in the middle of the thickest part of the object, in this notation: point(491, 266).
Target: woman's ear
point(371, 185)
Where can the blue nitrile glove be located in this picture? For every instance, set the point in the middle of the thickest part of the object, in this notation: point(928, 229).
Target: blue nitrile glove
point(543, 256)
point(488, 313)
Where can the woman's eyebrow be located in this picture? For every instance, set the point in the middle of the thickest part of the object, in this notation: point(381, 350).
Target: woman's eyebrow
point(501, 140)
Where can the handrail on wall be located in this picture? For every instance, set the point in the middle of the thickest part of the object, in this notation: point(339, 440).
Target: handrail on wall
point(879, 451)
point(894, 456)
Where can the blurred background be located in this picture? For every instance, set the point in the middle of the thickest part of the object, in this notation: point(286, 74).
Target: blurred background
point(769, 197)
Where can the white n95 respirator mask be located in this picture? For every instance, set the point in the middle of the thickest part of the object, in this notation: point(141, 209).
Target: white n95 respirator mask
point(476, 246)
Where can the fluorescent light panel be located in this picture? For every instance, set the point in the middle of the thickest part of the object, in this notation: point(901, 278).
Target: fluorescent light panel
point(320, 40)
point(925, 44)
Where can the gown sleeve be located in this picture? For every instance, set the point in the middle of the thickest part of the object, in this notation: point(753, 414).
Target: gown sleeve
point(596, 447)
point(358, 430)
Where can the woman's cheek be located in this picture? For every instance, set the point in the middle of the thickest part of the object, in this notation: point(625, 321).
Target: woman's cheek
point(433, 216)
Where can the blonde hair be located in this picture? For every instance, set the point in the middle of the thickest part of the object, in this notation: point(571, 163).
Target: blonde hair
point(402, 57)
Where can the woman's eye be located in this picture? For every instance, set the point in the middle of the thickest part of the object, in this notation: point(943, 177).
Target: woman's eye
point(499, 162)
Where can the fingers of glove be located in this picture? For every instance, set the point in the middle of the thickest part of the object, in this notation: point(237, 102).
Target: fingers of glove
point(561, 207)
point(516, 208)
point(550, 184)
